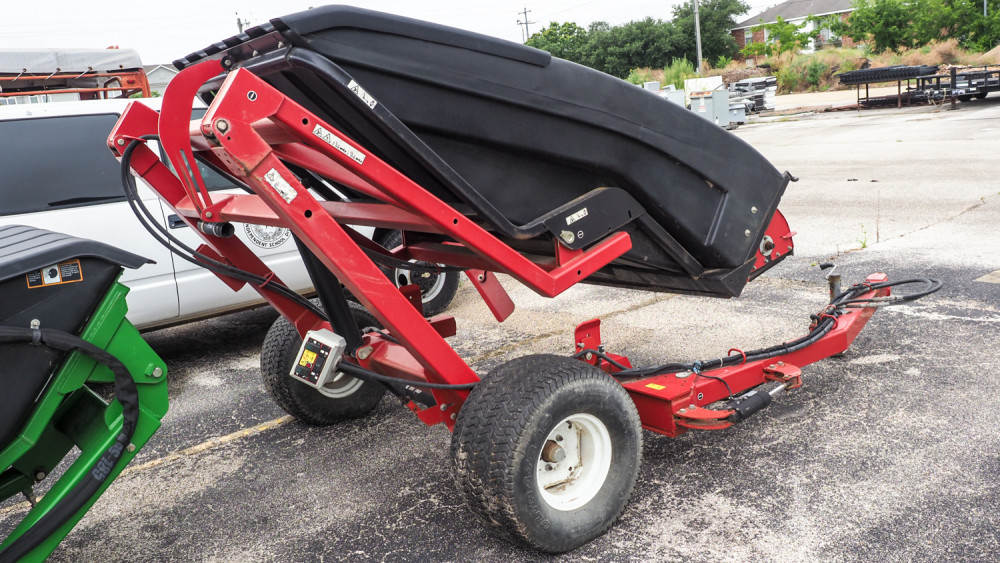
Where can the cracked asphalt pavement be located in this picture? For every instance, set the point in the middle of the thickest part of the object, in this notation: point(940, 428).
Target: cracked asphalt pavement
point(889, 452)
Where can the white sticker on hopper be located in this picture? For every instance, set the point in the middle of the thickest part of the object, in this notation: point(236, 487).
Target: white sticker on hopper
point(284, 189)
point(361, 93)
point(576, 216)
point(338, 143)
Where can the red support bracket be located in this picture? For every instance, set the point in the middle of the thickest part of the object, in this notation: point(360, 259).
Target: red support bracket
point(588, 337)
point(495, 296)
point(698, 418)
point(784, 373)
point(412, 294)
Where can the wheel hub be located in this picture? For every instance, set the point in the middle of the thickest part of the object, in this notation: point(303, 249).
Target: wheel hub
point(430, 283)
point(340, 386)
point(574, 462)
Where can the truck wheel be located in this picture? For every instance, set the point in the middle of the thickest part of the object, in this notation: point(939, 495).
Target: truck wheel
point(546, 451)
point(437, 289)
point(341, 399)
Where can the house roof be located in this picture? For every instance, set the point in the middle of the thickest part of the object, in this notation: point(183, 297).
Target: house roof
point(793, 9)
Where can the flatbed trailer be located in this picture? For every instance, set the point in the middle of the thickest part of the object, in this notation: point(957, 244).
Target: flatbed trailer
point(962, 83)
point(924, 84)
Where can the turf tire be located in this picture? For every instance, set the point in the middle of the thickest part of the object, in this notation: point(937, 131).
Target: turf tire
point(498, 441)
point(305, 403)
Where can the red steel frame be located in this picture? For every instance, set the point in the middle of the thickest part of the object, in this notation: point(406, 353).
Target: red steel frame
point(251, 129)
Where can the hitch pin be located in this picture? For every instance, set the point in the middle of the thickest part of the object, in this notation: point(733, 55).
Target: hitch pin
point(832, 278)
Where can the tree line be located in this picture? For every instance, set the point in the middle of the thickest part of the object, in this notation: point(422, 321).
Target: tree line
point(647, 43)
point(910, 24)
point(655, 43)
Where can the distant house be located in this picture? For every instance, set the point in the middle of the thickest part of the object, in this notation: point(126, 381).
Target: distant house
point(796, 12)
point(159, 76)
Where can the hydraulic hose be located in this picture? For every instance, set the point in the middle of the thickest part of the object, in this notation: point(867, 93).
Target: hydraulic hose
point(126, 393)
point(824, 324)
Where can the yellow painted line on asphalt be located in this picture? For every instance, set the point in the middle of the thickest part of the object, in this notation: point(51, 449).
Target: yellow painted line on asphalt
point(992, 277)
point(205, 446)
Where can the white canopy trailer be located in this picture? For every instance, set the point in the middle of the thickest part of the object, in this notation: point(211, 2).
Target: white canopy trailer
point(37, 75)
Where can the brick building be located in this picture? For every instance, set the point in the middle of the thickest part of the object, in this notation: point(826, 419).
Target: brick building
point(796, 12)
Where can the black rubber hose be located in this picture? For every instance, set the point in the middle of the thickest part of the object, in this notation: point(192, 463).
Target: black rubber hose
point(126, 393)
point(824, 324)
point(193, 256)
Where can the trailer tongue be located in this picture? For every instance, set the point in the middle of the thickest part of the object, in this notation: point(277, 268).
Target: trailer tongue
point(492, 158)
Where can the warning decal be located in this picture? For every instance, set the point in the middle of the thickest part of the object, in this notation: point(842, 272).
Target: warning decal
point(56, 274)
point(336, 142)
point(284, 189)
point(360, 92)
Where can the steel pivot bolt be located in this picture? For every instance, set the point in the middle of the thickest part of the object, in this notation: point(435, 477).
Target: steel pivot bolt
point(364, 352)
point(40, 475)
point(753, 209)
point(157, 372)
point(222, 125)
point(747, 232)
point(567, 236)
point(131, 447)
point(35, 323)
point(589, 356)
point(120, 142)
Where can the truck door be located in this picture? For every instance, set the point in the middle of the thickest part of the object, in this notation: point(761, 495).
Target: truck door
point(57, 173)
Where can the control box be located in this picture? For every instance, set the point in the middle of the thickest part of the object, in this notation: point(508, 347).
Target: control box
point(318, 357)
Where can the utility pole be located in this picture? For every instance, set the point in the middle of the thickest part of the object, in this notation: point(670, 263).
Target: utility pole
point(697, 36)
point(525, 12)
point(241, 23)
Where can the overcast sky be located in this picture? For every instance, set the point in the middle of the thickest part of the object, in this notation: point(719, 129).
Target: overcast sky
point(165, 30)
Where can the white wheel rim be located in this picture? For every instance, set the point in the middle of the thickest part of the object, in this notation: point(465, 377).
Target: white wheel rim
point(405, 277)
point(340, 386)
point(574, 462)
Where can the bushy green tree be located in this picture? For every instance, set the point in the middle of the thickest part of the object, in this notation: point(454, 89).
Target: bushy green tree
point(649, 42)
point(983, 33)
point(782, 37)
point(884, 24)
point(907, 24)
point(617, 50)
point(717, 18)
point(566, 41)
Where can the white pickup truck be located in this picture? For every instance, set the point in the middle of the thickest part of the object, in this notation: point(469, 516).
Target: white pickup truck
point(57, 173)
